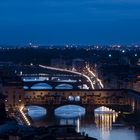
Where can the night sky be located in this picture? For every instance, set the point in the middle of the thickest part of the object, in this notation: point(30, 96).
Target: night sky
point(58, 22)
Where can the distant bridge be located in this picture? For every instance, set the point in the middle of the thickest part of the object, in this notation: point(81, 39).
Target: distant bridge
point(53, 84)
point(50, 73)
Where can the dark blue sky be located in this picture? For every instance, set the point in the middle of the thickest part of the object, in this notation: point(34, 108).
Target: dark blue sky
point(70, 21)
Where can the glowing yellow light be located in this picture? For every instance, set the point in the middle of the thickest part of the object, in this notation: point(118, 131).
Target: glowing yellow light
point(94, 75)
point(24, 116)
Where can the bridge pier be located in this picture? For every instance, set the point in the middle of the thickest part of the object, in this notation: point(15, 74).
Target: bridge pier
point(89, 109)
point(50, 112)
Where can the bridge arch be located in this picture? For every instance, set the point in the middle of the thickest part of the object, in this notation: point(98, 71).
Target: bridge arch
point(71, 108)
point(69, 111)
point(36, 112)
point(64, 86)
point(41, 86)
point(104, 109)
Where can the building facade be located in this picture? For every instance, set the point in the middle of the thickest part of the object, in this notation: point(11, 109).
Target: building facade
point(14, 92)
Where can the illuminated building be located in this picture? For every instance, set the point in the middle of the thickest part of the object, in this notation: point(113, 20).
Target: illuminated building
point(13, 89)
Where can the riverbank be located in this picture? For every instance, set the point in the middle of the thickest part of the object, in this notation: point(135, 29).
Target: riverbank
point(132, 119)
point(11, 130)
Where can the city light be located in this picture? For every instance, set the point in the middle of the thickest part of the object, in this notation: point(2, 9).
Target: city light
point(24, 116)
point(136, 55)
point(69, 70)
point(100, 82)
point(95, 76)
point(21, 73)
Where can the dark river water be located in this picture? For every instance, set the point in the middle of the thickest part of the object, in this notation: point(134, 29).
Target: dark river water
point(103, 124)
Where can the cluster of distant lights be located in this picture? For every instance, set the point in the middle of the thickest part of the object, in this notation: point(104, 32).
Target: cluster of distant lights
point(123, 51)
point(88, 46)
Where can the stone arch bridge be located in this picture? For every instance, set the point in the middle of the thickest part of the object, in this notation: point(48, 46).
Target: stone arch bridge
point(119, 100)
point(53, 84)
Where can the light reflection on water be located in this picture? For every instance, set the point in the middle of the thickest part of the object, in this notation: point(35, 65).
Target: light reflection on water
point(101, 125)
point(104, 123)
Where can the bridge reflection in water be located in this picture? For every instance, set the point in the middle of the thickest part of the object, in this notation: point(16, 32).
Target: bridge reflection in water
point(105, 124)
point(104, 119)
point(101, 121)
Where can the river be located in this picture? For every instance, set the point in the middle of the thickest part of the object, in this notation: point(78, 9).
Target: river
point(103, 124)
